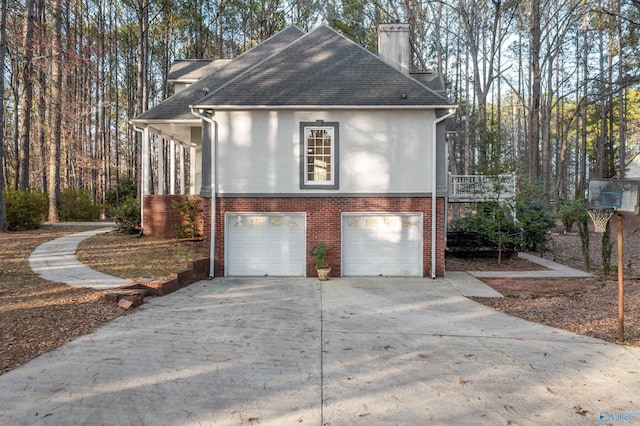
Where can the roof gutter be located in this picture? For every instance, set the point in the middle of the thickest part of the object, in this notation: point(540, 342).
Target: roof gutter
point(319, 107)
point(434, 188)
point(206, 114)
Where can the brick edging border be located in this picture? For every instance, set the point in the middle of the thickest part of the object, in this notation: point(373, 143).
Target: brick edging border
point(134, 294)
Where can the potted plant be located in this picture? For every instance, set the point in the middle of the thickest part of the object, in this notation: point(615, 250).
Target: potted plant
point(319, 252)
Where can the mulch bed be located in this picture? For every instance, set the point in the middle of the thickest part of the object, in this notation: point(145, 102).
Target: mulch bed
point(490, 264)
point(587, 306)
point(531, 288)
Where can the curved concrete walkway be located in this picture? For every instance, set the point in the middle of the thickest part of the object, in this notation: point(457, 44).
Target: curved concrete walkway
point(56, 260)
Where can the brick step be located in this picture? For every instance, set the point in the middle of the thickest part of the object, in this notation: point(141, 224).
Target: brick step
point(133, 295)
point(126, 298)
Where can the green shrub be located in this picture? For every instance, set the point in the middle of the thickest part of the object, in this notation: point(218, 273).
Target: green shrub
point(319, 253)
point(491, 230)
point(127, 189)
point(25, 209)
point(191, 217)
point(76, 204)
point(536, 221)
point(127, 215)
point(571, 212)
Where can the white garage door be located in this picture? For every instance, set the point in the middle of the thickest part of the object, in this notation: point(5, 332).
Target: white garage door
point(259, 244)
point(382, 244)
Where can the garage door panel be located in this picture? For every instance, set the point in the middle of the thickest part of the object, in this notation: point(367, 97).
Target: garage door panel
point(383, 244)
point(265, 244)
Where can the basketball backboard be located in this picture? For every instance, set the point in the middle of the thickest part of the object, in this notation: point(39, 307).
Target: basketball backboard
point(620, 195)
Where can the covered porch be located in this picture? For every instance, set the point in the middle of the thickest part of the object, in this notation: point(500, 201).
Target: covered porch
point(171, 170)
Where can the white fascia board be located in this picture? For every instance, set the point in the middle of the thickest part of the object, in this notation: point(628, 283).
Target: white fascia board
point(183, 80)
point(321, 107)
point(150, 122)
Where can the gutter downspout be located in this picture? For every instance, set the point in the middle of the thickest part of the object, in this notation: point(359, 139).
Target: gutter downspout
point(434, 189)
point(212, 123)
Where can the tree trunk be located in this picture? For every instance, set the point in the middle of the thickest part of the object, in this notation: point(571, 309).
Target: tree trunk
point(622, 146)
point(3, 49)
point(582, 182)
point(547, 114)
point(27, 93)
point(534, 108)
point(56, 113)
point(141, 101)
point(41, 171)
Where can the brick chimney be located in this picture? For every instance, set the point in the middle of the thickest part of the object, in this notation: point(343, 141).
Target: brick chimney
point(393, 45)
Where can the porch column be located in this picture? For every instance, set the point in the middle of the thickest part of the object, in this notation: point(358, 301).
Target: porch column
point(196, 160)
point(172, 167)
point(145, 166)
point(160, 166)
point(183, 174)
point(192, 170)
point(146, 161)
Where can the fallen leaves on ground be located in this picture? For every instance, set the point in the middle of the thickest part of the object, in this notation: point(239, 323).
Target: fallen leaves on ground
point(39, 315)
point(584, 306)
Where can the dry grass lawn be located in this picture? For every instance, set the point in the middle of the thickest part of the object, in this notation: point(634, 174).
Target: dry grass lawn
point(134, 258)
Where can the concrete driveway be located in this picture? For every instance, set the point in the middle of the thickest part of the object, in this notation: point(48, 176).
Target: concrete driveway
point(275, 351)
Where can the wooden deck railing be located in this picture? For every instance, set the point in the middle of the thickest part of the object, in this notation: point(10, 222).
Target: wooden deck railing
point(476, 188)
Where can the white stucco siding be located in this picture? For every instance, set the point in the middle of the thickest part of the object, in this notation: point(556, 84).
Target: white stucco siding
point(379, 151)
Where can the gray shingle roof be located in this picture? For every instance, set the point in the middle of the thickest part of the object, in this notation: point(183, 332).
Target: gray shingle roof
point(176, 107)
point(318, 69)
point(431, 80)
point(191, 70)
point(323, 68)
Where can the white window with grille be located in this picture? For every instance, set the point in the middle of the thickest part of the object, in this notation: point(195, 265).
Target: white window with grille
point(319, 162)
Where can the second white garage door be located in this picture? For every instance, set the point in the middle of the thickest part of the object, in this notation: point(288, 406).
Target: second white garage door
point(258, 244)
point(382, 244)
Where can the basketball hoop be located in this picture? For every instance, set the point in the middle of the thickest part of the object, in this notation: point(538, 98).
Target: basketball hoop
point(600, 217)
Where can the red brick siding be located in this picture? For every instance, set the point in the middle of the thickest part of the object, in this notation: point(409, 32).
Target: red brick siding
point(324, 222)
point(160, 217)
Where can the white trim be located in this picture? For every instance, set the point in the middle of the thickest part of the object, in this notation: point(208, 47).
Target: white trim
point(172, 167)
point(136, 121)
point(192, 170)
point(321, 107)
point(142, 132)
point(332, 166)
point(184, 80)
point(160, 166)
point(183, 173)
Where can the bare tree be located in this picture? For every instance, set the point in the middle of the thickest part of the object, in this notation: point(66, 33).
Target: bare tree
point(3, 49)
point(535, 36)
point(56, 116)
point(484, 31)
point(27, 93)
point(622, 146)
